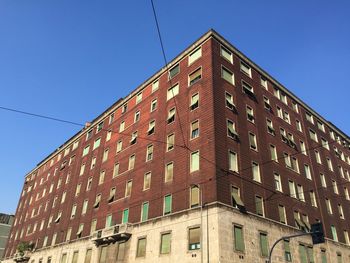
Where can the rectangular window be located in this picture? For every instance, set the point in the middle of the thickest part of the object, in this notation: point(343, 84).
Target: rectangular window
point(122, 126)
point(195, 55)
point(323, 180)
point(165, 243)
point(137, 116)
point(101, 179)
point(97, 201)
point(149, 153)
point(153, 105)
point(307, 171)
point(125, 217)
point(99, 127)
point(151, 127)
point(169, 171)
point(147, 181)
point(174, 71)
point(250, 114)
point(144, 211)
point(245, 68)
point(128, 188)
point(264, 248)
point(97, 143)
point(89, 134)
point(318, 157)
point(93, 163)
point(267, 104)
point(334, 233)
point(233, 161)
point(282, 214)
point(225, 53)
point(259, 205)
point(119, 146)
point(313, 198)
point(309, 117)
point(231, 130)
point(133, 138)
point(340, 211)
point(167, 204)
point(171, 115)
point(329, 206)
point(105, 155)
point(263, 82)
point(195, 76)
point(141, 247)
point(278, 183)
point(86, 150)
point(252, 141)
point(256, 172)
point(85, 206)
point(155, 85)
point(173, 91)
point(109, 221)
point(194, 196)
point(292, 190)
point(131, 162)
point(194, 238)
point(116, 170)
point(320, 125)
point(313, 135)
point(335, 187)
point(138, 98)
point(273, 152)
point(270, 128)
point(227, 75)
point(324, 143)
point(329, 164)
point(287, 252)
point(238, 238)
point(194, 165)
point(194, 129)
point(301, 193)
point(170, 141)
point(229, 101)
point(247, 89)
point(111, 195)
point(298, 124)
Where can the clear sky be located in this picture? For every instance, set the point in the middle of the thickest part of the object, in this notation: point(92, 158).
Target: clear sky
point(72, 59)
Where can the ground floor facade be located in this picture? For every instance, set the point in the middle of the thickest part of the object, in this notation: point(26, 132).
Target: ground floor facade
point(215, 233)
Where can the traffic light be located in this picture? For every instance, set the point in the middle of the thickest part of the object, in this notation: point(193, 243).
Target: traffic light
point(317, 233)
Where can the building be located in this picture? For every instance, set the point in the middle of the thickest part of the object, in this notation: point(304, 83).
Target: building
point(5, 226)
point(209, 160)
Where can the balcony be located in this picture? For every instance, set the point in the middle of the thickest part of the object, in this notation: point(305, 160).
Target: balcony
point(112, 234)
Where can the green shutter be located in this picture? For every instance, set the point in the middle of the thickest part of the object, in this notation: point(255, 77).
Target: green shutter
point(302, 253)
point(167, 204)
point(323, 256)
point(310, 253)
point(239, 241)
point(165, 243)
point(145, 211)
point(125, 216)
point(263, 245)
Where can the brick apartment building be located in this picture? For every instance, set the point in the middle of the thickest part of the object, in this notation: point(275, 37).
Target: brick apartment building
point(209, 160)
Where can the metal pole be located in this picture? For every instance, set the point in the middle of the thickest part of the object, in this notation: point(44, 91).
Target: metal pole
point(282, 238)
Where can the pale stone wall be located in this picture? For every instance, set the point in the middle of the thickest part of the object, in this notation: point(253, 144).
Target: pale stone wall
point(221, 245)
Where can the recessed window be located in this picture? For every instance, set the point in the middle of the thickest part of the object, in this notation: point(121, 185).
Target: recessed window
point(256, 172)
point(292, 191)
point(102, 177)
point(105, 155)
point(335, 187)
point(137, 116)
point(233, 161)
point(231, 130)
point(154, 105)
point(194, 129)
point(252, 141)
point(245, 68)
point(227, 75)
point(238, 238)
point(111, 195)
point(174, 71)
point(313, 198)
point(89, 134)
point(194, 238)
point(147, 181)
point(329, 164)
point(149, 153)
point(125, 216)
point(132, 162)
point(99, 127)
point(89, 183)
point(116, 170)
point(109, 135)
point(86, 150)
point(340, 211)
point(195, 55)
point(155, 85)
point(194, 101)
point(111, 118)
point(284, 98)
point(278, 183)
point(144, 211)
point(250, 114)
point(264, 247)
point(194, 164)
point(295, 107)
point(320, 125)
point(270, 128)
point(276, 93)
point(226, 54)
point(236, 198)
point(194, 196)
point(85, 206)
point(313, 135)
point(263, 82)
point(124, 108)
point(301, 196)
point(309, 117)
point(282, 214)
point(138, 98)
point(171, 115)
point(247, 89)
point(194, 77)
point(151, 127)
point(329, 206)
point(122, 126)
point(323, 180)
point(229, 101)
point(172, 92)
point(298, 124)
point(141, 247)
point(97, 201)
point(273, 152)
point(267, 104)
point(259, 205)
point(307, 171)
point(169, 172)
point(97, 143)
point(119, 146)
point(167, 204)
point(325, 144)
point(128, 188)
point(165, 243)
point(109, 222)
point(133, 138)
point(170, 142)
point(335, 238)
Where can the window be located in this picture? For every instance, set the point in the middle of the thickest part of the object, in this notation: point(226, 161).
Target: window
point(329, 164)
point(122, 126)
point(270, 128)
point(165, 243)
point(323, 180)
point(111, 118)
point(229, 101)
point(227, 75)
point(194, 76)
point(111, 196)
point(149, 153)
point(309, 117)
point(284, 98)
point(247, 89)
point(194, 196)
point(346, 193)
point(89, 135)
point(340, 211)
point(131, 162)
point(89, 183)
point(77, 190)
point(307, 171)
point(172, 92)
point(318, 157)
point(138, 98)
point(324, 143)
point(96, 143)
point(119, 146)
point(97, 201)
point(233, 161)
point(278, 183)
point(151, 127)
point(306, 254)
point(171, 115)
point(250, 114)
point(259, 205)
point(93, 163)
point(231, 130)
point(346, 237)
point(291, 162)
point(64, 258)
point(313, 198)
point(80, 230)
point(63, 197)
point(313, 135)
point(167, 204)
point(174, 71)
point(153, 105)
point(105, 155)
point(335, 187)
point(75, 145)
point(263, 82)
point(86, 150)
point(282, 214)
point(147, 181)
point(170, 141)
point(101, 179)
point(144, 211)
point(301, 193)
point(267, 104)
point(194, 101)
point(109, 221)
point(264, 248)
point(85, 206)
point(276, 92)
point(155, 85)
point(329, 206)
point(116, 170)
point(194, 161)
point(194, 238)
point(238, 238)
point(334, 233)
point(292, 191)
point(125, 217)
point(339, 258)
point(141, 247)
point(137, 116)
point(273, 152)
point(73, 212)
point(287, 253)
point(194, 129)
point(245, 68)
point(128, 188)
point(99, 127)
point(298, 124)
point(286, 117)
point(320, 125)
point(133, 138)
point(252, 141)
point(169, 170)
point(256, 172)
point(226, 54)
point(93, 226)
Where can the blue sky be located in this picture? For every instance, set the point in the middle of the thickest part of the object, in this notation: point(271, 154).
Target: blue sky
point(73, 59)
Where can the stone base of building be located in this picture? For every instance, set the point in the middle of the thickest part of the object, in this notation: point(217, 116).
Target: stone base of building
point(217, 242)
